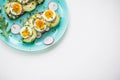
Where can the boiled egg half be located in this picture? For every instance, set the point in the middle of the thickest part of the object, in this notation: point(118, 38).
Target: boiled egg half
point(40, 25)
point(49, 15)
point(26, 32)
point(16, 8)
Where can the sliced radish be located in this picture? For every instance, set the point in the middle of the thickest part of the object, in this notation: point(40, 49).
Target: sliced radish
point(53, 6)
point(39, 35)
point(48, 40)
point(15, 29)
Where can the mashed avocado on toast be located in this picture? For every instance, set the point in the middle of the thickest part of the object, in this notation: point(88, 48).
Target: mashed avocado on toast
point(16, 8)
point(39, 23)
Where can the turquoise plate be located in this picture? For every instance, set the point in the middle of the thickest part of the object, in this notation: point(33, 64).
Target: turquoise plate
point(15, 41)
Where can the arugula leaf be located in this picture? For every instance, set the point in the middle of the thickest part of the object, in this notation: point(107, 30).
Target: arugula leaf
point(3, 27)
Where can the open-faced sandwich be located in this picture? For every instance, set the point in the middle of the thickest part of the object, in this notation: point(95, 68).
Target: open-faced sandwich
point(38, 24)
point(16, 8)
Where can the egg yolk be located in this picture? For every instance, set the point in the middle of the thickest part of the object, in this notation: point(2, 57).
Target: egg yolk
point(16, 7)
point(40, 24)
point(49, 14)
point(26, 33)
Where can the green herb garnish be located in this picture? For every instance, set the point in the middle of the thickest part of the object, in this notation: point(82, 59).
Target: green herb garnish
point(12, 0)
point(20, 20)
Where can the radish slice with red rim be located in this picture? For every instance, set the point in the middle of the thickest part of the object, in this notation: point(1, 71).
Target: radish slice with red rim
point(53, 6)
point(48, 40)
point(15, 29)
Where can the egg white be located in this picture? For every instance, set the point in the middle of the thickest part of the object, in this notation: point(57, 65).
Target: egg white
point(23, 1)
point(49, 19)
point(23, 29)
point(11, 9)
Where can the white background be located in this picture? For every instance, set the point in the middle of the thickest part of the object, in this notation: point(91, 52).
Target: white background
point(90, 49)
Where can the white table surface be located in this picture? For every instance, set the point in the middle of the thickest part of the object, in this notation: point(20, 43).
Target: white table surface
point(90, 49)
